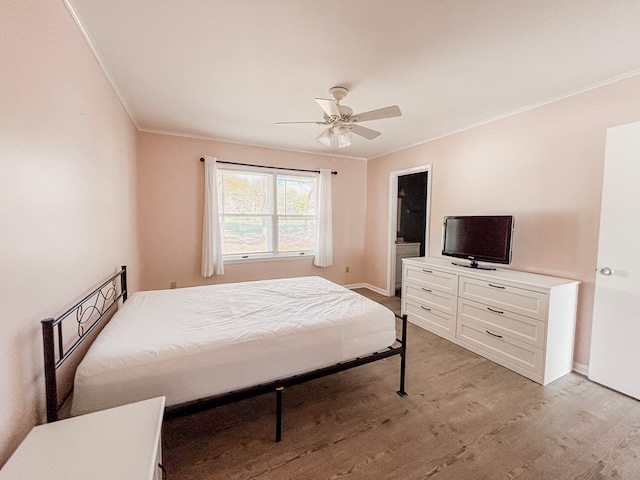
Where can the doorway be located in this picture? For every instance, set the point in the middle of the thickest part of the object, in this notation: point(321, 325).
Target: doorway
point(408, 232)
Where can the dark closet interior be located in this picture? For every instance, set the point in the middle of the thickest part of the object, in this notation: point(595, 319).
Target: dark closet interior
point(412, 191)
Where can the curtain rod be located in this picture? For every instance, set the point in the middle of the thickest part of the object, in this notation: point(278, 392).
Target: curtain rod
point(263, 166)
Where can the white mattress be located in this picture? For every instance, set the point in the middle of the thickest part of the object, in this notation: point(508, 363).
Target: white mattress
point(192, 343)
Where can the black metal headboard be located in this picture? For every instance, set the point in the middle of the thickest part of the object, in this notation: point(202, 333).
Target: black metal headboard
point(88, 314)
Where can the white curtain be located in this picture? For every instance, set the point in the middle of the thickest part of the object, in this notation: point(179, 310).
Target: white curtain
point(324, 239)
point(211, 235)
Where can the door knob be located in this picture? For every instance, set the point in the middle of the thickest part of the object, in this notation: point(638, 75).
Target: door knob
point(606, 271)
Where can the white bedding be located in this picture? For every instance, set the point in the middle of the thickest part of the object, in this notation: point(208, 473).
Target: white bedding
point(192, 343)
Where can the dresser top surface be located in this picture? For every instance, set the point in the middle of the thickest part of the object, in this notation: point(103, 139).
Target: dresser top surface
point(500, 274)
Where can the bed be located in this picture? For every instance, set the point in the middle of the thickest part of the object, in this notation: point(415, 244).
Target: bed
point(206, 346)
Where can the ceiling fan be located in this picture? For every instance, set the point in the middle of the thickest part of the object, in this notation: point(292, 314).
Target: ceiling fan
point(340, 121)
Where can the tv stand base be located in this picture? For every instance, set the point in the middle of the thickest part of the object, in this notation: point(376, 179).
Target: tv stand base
point(472, 265)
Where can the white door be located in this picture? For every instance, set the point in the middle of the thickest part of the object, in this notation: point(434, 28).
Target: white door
point(615, 337)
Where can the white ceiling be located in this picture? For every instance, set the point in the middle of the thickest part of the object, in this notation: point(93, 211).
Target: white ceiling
point(230, 69)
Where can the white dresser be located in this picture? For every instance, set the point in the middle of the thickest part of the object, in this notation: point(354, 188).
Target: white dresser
point(119, 443)
point(404, 250)
point(523, 321)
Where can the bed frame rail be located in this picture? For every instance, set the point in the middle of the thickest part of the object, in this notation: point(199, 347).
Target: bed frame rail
point(278, 386)
point(88, 313)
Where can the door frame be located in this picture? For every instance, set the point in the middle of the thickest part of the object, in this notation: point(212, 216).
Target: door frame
point(393, 221)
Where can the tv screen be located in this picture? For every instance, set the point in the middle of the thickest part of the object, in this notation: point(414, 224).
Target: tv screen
point(478, 238)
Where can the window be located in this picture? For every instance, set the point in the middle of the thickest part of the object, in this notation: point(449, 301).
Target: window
point(266, 213)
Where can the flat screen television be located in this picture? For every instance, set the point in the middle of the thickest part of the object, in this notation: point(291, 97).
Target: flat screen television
point(478, 238)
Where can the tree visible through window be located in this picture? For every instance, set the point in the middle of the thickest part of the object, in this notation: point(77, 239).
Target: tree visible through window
point(266, 214)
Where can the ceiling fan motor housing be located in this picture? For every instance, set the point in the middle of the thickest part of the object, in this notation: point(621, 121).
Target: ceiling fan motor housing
point(345, 112)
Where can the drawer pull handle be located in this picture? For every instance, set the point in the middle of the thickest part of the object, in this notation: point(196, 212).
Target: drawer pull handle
point(493, 334)
point(425, 308)
point(497, 286)
point(495, 311)
point(426, 289)
point(427, 271)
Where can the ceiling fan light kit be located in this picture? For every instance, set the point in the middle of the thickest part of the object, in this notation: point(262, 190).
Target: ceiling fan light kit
point(341, 123)
point(325, 138)
point(342, 135)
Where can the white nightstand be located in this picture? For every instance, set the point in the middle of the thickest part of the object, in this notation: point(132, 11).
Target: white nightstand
point(121, 443)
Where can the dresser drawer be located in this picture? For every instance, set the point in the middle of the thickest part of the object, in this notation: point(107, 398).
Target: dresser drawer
point(505, 297)
point(432, 279)
point(431, 298)
point(502, 322)
point(430, 319)
point(510, 350)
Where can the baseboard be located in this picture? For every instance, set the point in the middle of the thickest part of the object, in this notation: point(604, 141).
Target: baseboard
point(367, 286)
point(581, 368)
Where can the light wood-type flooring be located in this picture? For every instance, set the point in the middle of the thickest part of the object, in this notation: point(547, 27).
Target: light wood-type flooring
point(464, 418)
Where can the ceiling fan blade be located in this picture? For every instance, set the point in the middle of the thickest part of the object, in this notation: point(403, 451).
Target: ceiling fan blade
point(329, 107)
point(296, 123)
point(364, 132)
point(380, 113)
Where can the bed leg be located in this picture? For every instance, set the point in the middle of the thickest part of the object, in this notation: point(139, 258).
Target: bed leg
point(51, 386)
point(123, 284)
point(403, 356)
point(279, 413)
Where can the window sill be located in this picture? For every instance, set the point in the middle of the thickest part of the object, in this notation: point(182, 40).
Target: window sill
point(231, 259)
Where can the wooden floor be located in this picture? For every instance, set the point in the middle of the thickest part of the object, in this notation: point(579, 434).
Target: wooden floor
point(464, 418)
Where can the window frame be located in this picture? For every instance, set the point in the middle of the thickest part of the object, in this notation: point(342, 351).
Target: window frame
point(274, 254)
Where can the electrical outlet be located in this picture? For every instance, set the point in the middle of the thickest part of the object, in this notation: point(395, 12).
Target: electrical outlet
point(173, 284)
point(346, 269)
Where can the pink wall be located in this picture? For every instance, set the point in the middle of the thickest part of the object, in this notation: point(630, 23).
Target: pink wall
point(75, 177)
point(67, 180)
point(171, 196)
point(544, 166)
